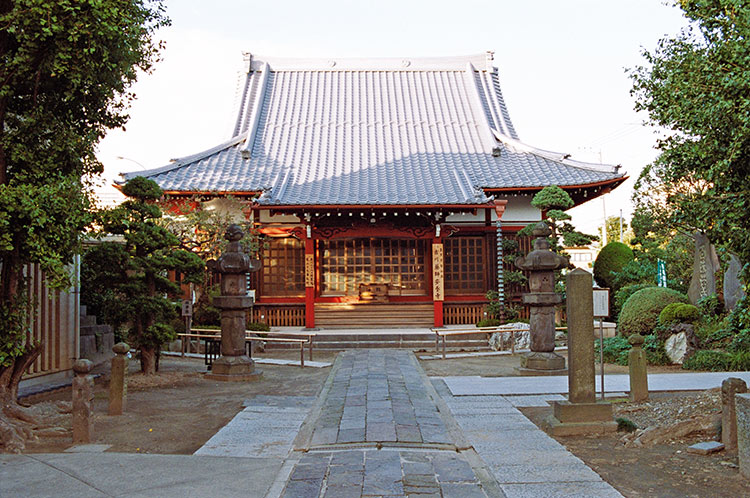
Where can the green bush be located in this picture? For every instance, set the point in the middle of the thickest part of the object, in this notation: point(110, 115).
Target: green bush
point(740, 361)
point(679, 313)
point(623, 294)
point(488, 322)
point(616, 350)
point(740, 342)
point(640, 312)
point(258, 327)
point(718, 361)
point(611, 259)
point(655, 352)
point(711, 305)
point(625, 425)
point(713, 361)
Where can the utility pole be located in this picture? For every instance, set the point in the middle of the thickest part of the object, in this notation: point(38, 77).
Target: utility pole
point(604, 230)
point(620, 225)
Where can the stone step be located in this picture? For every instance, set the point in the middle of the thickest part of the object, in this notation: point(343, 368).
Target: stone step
point(369, 342)
point(374, 315)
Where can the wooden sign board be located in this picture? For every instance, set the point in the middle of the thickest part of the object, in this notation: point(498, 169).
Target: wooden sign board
point(187, 307)
point(309, 270)
point(438, 273)
point(601, 303)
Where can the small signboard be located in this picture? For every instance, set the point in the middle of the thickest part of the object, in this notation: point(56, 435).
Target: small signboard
point(601, 303)
point(187, 307)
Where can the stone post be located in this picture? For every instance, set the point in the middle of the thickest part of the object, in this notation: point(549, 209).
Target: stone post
point(580, 308)
point(118, 379)
point(83, 393)
point(581, 414)
point(729, 388)
point(541, 264)
point(233, 364)
point(637, 369)
point(742, 408)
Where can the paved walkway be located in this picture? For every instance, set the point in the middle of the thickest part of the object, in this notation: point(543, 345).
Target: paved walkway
point(525, 462)
point(378, 428)
point(509, 386)
point(378, 431)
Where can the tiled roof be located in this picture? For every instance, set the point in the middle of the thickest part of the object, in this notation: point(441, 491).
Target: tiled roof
point(373, 131)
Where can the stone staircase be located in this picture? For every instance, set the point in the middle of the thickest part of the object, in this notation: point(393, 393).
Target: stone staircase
point(373, 315)
point(96, 340)
point(412, 339)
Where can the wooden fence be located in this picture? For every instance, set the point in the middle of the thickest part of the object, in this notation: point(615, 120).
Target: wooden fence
point(463, 313)
point(279, 315)
point(54, 323)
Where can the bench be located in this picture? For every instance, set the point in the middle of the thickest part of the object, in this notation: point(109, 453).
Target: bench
point(309, 337)
point(212, 349)
point(301, 343)
point(441, 334)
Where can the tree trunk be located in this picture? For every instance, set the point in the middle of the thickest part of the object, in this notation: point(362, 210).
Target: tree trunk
point(148, 360)
point(16, 423)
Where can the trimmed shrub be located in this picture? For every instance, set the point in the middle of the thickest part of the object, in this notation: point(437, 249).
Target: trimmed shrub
point(623, 294)
point(611, 259)
point(488, 322)
point(258, 327)
point(641, 311)
point(679, 313)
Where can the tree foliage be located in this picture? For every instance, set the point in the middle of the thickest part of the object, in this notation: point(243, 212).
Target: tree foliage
point(553, 201)
point(65, 70)
point(696, 87)
point(612, 224)
point(134, 274)
point(200, 225)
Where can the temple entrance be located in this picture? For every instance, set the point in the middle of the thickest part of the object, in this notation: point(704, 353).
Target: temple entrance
point(399, 263)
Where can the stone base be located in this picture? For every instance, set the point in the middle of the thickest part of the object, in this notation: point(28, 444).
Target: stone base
point(531, 372)
point(544, 363)
point(248, 377)
point(571, 419)
point(233, 368)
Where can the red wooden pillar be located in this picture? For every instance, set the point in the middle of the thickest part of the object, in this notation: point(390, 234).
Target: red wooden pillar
point(438, 275)
point(309, 283)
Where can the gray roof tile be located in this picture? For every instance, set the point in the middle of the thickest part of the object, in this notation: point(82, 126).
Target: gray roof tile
point(417, 131)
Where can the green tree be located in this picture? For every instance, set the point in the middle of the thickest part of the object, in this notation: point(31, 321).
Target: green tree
point(612, 224)
point(140, 285)
point(200, 226)
point(695, 87)
point(65, 70)
point(553, 201)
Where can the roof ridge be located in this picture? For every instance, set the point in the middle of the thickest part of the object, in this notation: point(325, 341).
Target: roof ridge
point(559, 157)
point(484, 61)
point(184, 161)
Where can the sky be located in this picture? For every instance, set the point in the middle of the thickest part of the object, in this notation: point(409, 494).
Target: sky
point(562, 68)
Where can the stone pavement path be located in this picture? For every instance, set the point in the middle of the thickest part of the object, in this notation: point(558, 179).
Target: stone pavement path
point(378, 431)
point(526, 462)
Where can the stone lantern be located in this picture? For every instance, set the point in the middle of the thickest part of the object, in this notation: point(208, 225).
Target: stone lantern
point(541, 298)
point(233, 265)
